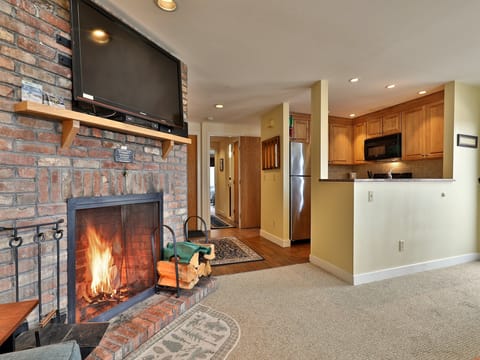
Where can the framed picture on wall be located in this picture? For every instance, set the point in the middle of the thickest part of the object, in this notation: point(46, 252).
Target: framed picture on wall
point(467, 140)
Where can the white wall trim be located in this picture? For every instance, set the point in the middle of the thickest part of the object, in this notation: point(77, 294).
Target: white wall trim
point(414, 268)
point(332, 269)
point(392, 272)
point(275, 239)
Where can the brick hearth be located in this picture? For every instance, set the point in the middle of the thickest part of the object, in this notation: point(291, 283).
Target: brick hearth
point(138, 324)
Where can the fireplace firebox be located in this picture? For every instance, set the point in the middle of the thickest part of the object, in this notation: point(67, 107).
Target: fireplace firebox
point(113, 245)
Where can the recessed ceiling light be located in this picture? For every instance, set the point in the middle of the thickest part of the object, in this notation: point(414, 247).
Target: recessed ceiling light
point(391, 86)
point(354, 80)
point(219, 106)
point(210, 118)
point(167, 5)
point(352, 115)
point(99, 36)
point(422, 92)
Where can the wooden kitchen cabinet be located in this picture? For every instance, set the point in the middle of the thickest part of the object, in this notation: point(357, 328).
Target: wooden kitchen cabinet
point(422, 135)
point(384, 125)
point(340, 137)
point(359, 136)
point(413, 133)
point(300, 131)
point(374, 127)
point(392, 124)
point(434, 130)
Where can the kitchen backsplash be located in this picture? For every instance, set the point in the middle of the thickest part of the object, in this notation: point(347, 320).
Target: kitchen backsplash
point(420, 169)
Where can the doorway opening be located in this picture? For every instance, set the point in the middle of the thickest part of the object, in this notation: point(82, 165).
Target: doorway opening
point(222, 206)
point(236, 177)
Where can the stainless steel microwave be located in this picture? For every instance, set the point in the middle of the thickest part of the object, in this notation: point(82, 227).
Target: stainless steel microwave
point(384, 147)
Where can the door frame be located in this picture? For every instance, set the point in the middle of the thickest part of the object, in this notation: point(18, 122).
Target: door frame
point(207, 130)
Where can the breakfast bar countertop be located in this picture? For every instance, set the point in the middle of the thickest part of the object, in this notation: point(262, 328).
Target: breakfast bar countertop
point(388, 180)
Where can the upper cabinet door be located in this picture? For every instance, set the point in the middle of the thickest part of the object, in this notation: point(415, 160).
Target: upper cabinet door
point(374, 127)
point(359, 136)
point(301, 128)
point(340, 143)
point(413, 134)
point(392, 123)
point(434, 130)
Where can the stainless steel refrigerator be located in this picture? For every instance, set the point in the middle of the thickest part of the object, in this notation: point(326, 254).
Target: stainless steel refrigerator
point(299, 191)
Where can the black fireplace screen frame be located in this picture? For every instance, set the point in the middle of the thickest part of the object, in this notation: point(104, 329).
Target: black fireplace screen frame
point(81, 203)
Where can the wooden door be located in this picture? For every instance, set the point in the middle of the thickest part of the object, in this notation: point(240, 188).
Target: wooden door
point(413, 134)
point(434, 130)
point(192, 180)
point(359, 136)
point(250, 175)
point(236, 205)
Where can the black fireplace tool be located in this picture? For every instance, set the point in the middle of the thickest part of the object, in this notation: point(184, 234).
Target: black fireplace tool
point(158, 288)
point(52, 328)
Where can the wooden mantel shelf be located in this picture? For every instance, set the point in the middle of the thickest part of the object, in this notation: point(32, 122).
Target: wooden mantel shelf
point(72, 120)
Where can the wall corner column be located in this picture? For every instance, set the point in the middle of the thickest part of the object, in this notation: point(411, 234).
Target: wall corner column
point(319, 127)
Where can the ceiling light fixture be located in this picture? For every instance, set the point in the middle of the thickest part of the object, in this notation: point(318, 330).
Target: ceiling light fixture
point(352, 115)
point(99, 36)
point(354, 80)
point(166, 5)
point(391, 86)
point(422, 92)
point(219, 106)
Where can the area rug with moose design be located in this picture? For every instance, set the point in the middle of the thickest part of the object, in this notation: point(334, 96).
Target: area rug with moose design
point(200, 333)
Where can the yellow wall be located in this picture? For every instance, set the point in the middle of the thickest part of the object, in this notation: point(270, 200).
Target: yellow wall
point(332, 225)
point(332, 203)
point(466, 161)
point(274, 183)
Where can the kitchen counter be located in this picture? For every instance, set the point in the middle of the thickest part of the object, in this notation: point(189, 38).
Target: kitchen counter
point(387, 180)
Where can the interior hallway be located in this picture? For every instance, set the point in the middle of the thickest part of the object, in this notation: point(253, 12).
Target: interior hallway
point(274, 255)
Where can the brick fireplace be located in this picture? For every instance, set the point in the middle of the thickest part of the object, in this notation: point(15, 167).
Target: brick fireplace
point(38, 176)
point(113, 245)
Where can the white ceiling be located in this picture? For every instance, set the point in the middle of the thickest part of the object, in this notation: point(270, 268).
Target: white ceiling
point(252, 55)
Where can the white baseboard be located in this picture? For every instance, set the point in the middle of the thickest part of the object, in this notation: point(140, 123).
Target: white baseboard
point(275, 239)
point(332, 269)
point(392, 272)
point(414, 268)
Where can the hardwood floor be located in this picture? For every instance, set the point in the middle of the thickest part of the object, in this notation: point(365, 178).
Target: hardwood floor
point(273, 254)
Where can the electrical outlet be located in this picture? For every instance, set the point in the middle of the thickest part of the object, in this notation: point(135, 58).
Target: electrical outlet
point(401, 245)
point(370, 196)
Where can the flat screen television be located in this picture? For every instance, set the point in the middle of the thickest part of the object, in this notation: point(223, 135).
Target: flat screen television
point(121, 71)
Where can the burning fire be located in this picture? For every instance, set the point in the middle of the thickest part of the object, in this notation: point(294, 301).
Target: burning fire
point(101, 264)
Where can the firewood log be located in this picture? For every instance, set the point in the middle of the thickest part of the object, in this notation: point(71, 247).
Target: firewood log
point(171, 282)
point(186, 272)
point(210, 256)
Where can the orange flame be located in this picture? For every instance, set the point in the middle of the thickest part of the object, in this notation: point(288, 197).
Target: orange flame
point(100, 262)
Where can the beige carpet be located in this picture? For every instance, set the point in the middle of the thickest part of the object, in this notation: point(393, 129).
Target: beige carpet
point(301, 312)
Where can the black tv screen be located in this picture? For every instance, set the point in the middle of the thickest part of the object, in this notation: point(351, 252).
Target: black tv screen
point(121, 70)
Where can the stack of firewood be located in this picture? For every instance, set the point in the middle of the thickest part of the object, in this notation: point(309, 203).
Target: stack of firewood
point(189, 274)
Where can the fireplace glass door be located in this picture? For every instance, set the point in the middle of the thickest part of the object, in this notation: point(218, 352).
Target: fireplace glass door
point(115, 249)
